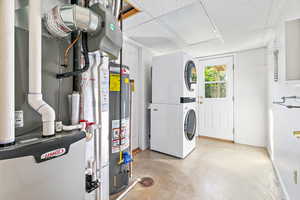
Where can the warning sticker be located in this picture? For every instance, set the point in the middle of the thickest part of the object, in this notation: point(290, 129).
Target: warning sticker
point(115, 82)
point(120, 142)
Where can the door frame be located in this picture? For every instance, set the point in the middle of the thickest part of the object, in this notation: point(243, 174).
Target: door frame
point(235, 61)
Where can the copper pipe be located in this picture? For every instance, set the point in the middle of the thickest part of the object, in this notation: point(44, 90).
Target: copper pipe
point(67, 50)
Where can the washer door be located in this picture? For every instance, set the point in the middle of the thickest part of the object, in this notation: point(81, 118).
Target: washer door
point(190, 125)
point(190, 74)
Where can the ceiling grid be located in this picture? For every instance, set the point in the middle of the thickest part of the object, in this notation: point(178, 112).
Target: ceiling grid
point(200, 27)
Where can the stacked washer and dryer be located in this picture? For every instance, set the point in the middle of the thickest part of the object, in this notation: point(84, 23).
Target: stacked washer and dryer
point(173, 108)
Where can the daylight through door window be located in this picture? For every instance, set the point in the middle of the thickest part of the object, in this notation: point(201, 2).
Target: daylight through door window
point(215, 81)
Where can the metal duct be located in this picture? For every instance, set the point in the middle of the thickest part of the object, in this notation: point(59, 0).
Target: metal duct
point(62, 20)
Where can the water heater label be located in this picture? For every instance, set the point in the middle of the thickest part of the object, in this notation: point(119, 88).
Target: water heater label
point(53, 154)
point(115, 83)
point(120, 141)
point(19, 119)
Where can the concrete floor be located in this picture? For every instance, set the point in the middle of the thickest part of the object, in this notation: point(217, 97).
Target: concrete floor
point(214, 171)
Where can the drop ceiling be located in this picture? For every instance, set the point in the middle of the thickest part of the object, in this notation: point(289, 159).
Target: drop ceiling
point(200, 27)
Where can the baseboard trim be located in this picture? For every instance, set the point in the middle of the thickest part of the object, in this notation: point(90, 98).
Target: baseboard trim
point(216, 139)
point(285, 193)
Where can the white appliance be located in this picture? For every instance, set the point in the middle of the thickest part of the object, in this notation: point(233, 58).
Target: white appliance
point(174, 77)
point(173, 129)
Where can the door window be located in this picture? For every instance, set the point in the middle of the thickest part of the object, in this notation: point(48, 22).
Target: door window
point(190, 125)
point(215, 81)
point(190, 75)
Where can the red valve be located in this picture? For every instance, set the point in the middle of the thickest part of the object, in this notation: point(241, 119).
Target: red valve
point(88, 124)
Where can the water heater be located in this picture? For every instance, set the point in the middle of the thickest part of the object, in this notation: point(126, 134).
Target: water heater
point(119, 127)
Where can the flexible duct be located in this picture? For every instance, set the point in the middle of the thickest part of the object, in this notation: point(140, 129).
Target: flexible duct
point(35, 97)
point(7, 85)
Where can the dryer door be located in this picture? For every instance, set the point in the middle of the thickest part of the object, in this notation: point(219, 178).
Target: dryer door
point(190, 125)
point(190, 75)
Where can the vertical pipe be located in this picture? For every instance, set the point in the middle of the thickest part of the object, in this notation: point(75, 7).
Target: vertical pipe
point(76, 55)
point(120, 109)
point(113, 6)
point(35, 97)
point(35, 47)
point(104, 134)
point(130, 128)
point(116, 10)
point(97, 114)
point(7, 72)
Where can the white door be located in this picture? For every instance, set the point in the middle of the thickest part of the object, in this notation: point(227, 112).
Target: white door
point(215, 98)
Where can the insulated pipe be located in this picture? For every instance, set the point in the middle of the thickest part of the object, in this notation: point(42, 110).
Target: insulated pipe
point(76, 55)
point(7, 71)
point(35, 97)
point(97, 113)
point(75, 108)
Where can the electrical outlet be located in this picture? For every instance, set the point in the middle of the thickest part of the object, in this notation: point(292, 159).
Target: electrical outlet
point(296, 177)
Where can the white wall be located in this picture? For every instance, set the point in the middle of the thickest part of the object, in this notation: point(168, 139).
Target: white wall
point(251, 97)
point(145, 98)
point(283, 146)
point(139, 60)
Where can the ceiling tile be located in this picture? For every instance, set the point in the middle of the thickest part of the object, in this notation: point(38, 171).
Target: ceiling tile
point(242, 23)
point(239, 15)
point(154, 36)
point(190, 23)
point(160, 7)
point(136, 20)
point(232, 44)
